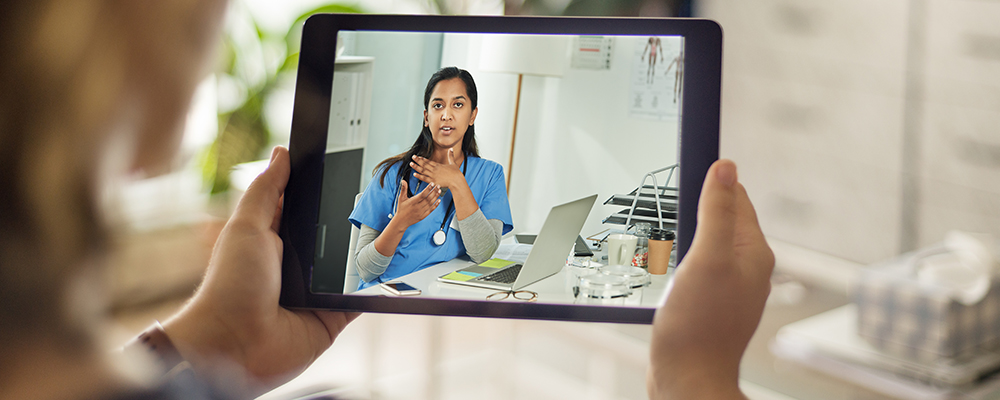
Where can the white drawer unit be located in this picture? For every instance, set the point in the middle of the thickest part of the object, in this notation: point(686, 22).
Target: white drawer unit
point(813, 114)
point(960, 120)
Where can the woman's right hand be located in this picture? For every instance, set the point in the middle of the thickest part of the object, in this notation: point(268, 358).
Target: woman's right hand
point(410, 210)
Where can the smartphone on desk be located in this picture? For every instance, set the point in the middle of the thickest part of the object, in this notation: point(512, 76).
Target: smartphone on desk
point(399, 289)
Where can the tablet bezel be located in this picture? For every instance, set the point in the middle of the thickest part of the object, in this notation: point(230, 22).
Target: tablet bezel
point(698, 148)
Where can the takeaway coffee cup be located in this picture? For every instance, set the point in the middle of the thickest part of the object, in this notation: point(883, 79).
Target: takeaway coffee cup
point(661, 243)
point(621, 247)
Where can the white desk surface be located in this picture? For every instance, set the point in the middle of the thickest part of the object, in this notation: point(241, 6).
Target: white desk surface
point(556, 289)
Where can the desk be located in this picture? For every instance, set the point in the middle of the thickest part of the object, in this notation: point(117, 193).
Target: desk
point(556, 289)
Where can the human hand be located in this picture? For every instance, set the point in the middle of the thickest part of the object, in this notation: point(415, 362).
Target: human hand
point(234, 317)
point(717, 298)
point(410, 210)
point(447, 175)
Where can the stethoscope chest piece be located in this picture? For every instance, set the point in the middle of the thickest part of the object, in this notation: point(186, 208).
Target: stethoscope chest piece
point(439, 237)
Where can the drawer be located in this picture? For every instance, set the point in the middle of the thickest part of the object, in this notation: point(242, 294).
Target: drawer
point(854, 30)
point(946, 205)
point(762, 116)
point(961, 145)
point(963, 41)
point(955, 90)
point(790, 65)
point(817, 201)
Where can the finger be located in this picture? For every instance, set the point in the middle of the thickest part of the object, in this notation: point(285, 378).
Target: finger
point(750, 239)
point(262, 199)
point(334, 321)
point(423, 178)
point(432, 206)
point(403, 188)
point(429, 190)
point(430, 195)
point(717, 214)
point(276, 222)
point(419, 160)
point(416, 167)
point(451, 156)
point(425, 162)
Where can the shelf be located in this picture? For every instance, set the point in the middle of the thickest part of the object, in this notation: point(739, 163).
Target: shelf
point(621, 217)
point(654, 204)
point(646, 200)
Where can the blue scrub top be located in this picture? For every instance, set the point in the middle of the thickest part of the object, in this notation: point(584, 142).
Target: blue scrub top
point(416, 250)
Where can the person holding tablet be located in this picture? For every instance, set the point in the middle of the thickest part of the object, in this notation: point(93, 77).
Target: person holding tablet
point(437, 201)
point(94, 93)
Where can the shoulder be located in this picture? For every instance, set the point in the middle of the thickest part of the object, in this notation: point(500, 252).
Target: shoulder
point(390, 164)
point(484, 164)
point(489, 174)
point(391, 171)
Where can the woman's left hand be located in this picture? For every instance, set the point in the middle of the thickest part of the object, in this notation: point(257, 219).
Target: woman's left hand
point(235, 318)
point(447, 175)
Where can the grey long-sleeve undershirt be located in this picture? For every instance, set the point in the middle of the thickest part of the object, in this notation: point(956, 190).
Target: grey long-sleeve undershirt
point(480, 236)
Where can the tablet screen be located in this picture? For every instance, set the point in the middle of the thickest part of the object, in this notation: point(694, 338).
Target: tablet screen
point(554, 117)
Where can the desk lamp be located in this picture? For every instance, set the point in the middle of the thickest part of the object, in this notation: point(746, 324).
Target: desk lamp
point(537, 55)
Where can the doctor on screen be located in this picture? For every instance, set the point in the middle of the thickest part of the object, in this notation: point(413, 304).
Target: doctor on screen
point(438, 200)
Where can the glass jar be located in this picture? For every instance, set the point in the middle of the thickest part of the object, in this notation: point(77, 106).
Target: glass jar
point(641, 255)
point(602, 290)
point(636, 278)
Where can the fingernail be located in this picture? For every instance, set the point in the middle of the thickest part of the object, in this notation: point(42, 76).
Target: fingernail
point(726, 173)
point(274, 153)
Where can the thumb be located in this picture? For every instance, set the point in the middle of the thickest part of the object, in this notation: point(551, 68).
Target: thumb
point(714, 237)
point(259, 204)
point(451, 156)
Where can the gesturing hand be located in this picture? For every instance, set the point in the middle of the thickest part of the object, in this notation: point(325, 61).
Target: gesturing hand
point(718, 295)
point(446, 175)
point(410, 210)
point(234, 318)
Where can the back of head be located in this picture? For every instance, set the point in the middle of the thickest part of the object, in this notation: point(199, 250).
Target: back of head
point(88, 89)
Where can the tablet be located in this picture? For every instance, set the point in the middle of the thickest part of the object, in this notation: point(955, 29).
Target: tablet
point(565, 108)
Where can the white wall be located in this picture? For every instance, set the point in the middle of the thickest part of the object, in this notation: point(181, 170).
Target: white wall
point(403, 64)
point(575, 136)
point(495, 119)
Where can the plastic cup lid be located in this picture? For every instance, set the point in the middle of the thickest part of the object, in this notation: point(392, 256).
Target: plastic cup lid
point(604, 286)
point(661, 234)
point(637, 277)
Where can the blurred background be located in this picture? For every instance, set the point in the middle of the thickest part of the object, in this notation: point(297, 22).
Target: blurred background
point(862, 129)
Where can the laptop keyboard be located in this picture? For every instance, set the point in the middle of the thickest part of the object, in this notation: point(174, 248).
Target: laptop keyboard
point(506, 275)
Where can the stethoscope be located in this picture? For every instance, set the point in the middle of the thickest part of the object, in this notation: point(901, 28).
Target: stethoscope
point(440, 236)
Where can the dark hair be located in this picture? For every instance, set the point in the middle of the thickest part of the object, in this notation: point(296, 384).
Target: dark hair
point(424, 145)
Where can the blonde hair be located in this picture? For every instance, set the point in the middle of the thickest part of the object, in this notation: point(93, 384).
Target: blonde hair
point(74, 76)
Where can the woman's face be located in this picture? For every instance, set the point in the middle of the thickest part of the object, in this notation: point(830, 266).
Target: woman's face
point(449, 113)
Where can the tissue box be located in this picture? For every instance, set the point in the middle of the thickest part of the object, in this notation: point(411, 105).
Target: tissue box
point(906, 318)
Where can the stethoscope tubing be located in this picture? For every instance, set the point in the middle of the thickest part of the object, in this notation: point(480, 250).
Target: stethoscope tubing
point(440, 236)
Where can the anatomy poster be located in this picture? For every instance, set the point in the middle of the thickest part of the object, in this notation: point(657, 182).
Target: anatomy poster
point(657, 77)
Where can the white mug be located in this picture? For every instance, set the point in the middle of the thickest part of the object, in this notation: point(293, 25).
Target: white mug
point(621, 247)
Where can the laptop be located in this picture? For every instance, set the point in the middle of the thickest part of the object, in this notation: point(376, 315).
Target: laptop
point(547, 256)
point(580, 250)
